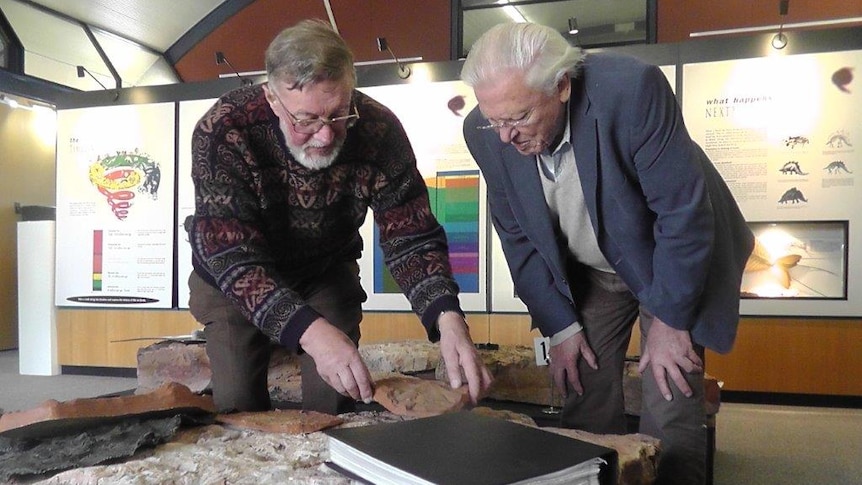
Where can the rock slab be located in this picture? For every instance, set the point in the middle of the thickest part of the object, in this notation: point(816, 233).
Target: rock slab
point(52, 417)
point(189, 365)
point(517, 378)
point(218, 454)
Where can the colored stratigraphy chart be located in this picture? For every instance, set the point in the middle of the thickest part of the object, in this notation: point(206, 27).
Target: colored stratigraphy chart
point(454, 198)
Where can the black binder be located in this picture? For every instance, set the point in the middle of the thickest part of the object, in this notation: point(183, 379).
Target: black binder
point(467, 448)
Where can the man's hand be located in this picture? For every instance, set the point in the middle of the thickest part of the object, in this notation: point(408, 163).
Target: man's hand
point(670, 353)
point(564, 362)
point(459, 353)
point(337, 359)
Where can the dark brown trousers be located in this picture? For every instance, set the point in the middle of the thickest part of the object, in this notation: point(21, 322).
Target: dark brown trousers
point(608, 312)
point(239, 352)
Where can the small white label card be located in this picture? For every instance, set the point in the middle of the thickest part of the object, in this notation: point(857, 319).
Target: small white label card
point(541, 346)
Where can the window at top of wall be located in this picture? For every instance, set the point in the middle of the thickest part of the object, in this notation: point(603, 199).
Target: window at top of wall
point(600, 24)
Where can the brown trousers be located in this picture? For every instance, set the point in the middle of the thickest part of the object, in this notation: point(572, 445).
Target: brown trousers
point(608, 312)
point(239, 352)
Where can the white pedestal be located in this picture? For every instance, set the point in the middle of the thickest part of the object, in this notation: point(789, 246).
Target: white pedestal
point(37, 315)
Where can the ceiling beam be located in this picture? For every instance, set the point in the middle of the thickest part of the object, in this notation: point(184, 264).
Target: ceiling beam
point(203, 28)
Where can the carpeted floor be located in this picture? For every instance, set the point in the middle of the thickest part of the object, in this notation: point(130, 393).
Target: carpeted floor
point(756, 444)
point(19, 392)
point(787, 445)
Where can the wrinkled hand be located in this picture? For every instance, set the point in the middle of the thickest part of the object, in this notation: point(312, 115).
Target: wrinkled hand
point(564, 362)
point(337, 360)
point(459, 353)
point(670, 353)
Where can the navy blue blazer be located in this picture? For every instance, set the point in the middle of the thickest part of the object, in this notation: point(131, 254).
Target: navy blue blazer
point(663, 217)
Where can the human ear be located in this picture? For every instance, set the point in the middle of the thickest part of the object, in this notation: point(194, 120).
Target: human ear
point(268, 94)
point(564, 88)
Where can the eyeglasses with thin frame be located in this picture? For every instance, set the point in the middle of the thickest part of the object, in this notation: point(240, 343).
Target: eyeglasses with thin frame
point(310, 126)
point(499, 125)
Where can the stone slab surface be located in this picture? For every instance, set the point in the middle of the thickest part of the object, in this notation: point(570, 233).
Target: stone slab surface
point(219, 454)
point(517, 378)
point(189, 365)
point(290, 421)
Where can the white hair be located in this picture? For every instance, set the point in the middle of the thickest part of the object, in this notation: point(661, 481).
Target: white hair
point(538, 51)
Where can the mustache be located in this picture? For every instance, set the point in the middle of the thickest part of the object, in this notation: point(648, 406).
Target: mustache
point(530, 144)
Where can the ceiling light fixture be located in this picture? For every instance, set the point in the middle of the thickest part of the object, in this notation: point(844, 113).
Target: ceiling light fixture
point(221, 59)
point(779, 40)
point(403, 71)
point(573, 26)
point(12, 102)
point(83, 70)
point(24, 103)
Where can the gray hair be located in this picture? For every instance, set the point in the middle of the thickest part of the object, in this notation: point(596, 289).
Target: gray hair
point(309, 52)
point(540, 52)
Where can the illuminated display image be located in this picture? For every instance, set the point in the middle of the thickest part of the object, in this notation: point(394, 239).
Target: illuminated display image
point(797, 260)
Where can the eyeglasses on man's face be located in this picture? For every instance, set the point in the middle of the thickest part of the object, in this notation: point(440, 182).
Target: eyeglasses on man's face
point(498, 125)
point(310, 126)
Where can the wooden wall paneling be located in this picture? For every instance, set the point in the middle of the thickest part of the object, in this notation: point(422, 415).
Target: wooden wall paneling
point(83, 338)
point(355, 25)
point(479, 324)
point(89, 337)
point(413, 28)
point(805, 11)
point(180, 322)
point(390, 326)
point(244, 37)
point(677, 18)
point(395, 326)
point(136, 324)
point(789, 355)
point(511, 329)
point(126, 325)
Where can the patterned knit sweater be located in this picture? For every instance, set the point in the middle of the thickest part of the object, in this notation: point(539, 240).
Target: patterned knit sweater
point(261, 216)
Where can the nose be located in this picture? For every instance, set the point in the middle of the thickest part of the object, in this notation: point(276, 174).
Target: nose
point(506, 134)
point(326, 134)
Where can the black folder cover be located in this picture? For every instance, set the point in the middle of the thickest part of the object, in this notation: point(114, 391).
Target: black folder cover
point(465, 448)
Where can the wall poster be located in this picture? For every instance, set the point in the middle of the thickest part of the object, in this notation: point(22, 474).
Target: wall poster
point(433, 115)
point(115, 206)
point(783, 131)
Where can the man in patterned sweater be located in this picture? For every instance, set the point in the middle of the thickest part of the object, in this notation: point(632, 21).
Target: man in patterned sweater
point(284, 175)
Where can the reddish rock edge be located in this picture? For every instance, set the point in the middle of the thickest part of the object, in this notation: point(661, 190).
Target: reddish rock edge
point(290, 421)
point(166, 397)
point(412, 396)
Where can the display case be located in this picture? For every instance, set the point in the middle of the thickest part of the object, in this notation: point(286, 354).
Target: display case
point(796, 259)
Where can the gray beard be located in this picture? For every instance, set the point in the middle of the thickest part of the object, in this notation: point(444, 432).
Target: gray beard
point(311, 163)
point(314, 163)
